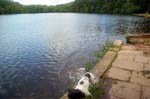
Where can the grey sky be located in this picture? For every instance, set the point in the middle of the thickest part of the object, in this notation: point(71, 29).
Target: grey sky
point(43, 2)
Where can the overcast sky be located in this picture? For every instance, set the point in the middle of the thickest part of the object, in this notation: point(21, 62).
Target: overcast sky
point(43, 2)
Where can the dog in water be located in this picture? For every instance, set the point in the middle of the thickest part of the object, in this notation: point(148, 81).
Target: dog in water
point(82, 89)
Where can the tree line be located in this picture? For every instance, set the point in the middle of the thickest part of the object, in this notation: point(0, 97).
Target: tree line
point(81, 6)
point(112, 6)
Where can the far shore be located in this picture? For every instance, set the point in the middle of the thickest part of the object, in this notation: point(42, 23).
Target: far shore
point(143, 15)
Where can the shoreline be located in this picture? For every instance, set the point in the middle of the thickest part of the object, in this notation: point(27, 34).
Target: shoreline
point(146, 15)
point(104, 64)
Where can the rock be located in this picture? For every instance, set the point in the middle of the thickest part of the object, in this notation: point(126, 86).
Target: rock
point(138, 78)
point(119, 74)
point(125, 90)
point(117, 43)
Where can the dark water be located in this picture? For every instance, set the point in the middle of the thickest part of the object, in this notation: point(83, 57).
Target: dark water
point(37, 51)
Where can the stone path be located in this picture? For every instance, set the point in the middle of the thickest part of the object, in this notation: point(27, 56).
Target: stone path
point(129, 75)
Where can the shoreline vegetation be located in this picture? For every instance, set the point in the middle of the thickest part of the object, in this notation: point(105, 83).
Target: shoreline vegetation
point(80, 6)
point(103, 48)
point(96, 90)
point(147, 15)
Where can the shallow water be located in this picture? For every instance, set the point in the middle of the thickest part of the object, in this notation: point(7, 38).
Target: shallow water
point(38, 52)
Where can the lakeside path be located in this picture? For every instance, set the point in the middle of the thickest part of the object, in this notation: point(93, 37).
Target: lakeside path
point(128, 77)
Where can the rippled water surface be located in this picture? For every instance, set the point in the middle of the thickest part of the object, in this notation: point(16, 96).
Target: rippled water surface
point(38, 51)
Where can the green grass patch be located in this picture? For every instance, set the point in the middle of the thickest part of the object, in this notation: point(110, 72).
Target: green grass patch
point(96, 91)
point(103, 48)
point(88, 66)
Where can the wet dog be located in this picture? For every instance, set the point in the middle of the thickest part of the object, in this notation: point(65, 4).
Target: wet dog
point(82, 88)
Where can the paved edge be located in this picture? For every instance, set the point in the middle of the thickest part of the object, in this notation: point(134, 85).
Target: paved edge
point(103, 65)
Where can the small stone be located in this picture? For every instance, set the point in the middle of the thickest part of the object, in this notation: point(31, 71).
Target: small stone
point(113, 97)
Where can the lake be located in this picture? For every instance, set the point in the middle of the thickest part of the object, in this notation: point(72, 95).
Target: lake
point(39, 52)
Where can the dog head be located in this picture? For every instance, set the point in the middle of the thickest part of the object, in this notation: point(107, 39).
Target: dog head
point(75, 94)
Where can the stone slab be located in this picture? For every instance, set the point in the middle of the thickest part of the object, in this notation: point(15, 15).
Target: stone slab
point(128, 47)
point(125, 57)
point(119, 74)
point(149, 60)
point(140, 78)
point(147, 67)
point(141, 59)
point(98, 70)
point(103, 64)
point(129, 65)
point(113, 97)
point(145, 93)
point(125, 90)
point(130, 52)
point(114, 49)
point(108, 57)
point(146, 71)
point(117, 43)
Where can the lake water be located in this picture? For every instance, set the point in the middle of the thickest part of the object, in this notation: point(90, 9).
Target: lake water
point(38, 52)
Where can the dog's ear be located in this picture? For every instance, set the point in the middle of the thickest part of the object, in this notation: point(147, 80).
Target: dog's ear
point(87, 75)
point(90, 76)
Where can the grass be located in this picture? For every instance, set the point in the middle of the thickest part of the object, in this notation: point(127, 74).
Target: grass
point(103, 48)
point(96, 91)
point(88, 66)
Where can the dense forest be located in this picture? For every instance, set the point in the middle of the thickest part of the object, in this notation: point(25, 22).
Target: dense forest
point(83, 6)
